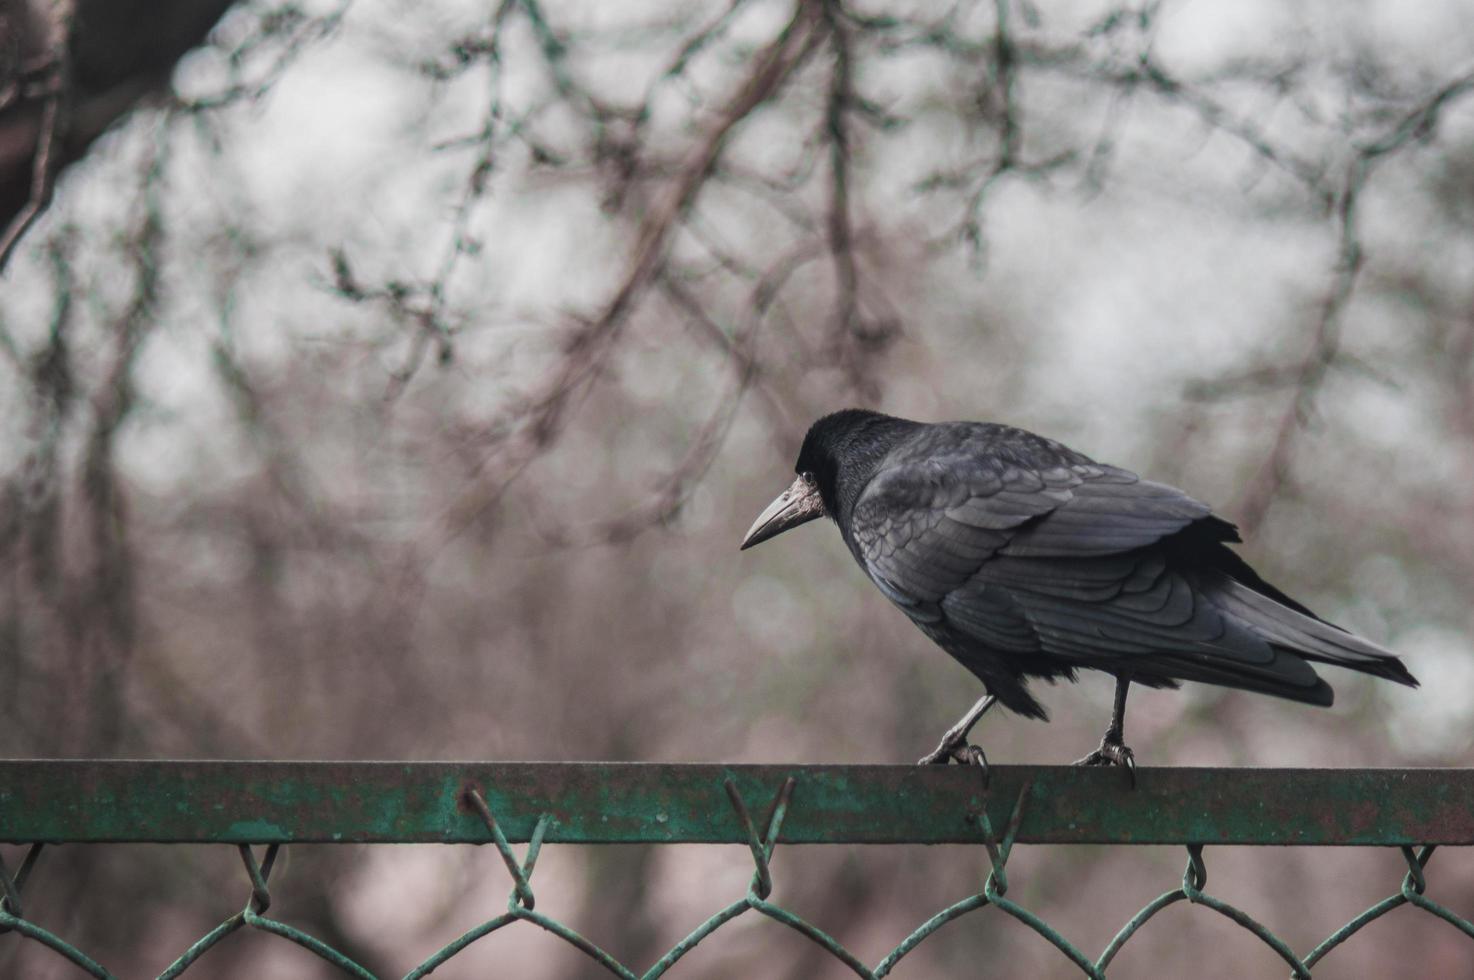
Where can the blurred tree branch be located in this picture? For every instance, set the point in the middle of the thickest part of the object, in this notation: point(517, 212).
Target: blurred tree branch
point(541, 416)
point(247, 406)
point(1417, 125)
point(1116, 54)
point(43, 82)
point(74, 68)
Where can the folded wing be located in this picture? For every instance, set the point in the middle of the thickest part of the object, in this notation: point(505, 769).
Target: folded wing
point(1040, 562)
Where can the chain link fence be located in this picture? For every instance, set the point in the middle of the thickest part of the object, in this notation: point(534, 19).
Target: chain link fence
point(271, 805)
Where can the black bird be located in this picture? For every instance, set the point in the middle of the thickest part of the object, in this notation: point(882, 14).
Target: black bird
point(1023, 558)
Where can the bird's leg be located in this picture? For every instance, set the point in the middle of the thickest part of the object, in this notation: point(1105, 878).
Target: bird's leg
point(1113, 750)
point(953, 745)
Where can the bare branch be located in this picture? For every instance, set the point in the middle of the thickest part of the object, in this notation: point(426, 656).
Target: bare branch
point(292, 33)
point(852, 336)
point(542, 416)
point(51, 86)
point(665, 500)
point(1419, 123)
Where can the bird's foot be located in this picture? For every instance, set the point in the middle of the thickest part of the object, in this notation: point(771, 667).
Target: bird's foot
point(964, 755)
point(960, 751)
point(942, 755)
point(1113, 754)
point(953, 748)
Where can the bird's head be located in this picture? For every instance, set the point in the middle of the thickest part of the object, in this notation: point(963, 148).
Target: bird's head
point(833, 446)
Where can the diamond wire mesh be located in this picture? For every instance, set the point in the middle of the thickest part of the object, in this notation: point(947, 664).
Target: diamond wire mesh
point(521, 903)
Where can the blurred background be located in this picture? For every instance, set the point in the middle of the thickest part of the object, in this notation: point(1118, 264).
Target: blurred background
point(395, 380)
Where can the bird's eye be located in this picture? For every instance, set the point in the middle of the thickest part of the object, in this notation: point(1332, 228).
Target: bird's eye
point(808, 477)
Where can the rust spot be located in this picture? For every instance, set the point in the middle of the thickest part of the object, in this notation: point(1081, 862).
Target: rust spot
point(1361, 817)
point(463, 801)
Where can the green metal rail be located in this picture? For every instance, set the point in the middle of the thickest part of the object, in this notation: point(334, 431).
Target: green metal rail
point(280, 803)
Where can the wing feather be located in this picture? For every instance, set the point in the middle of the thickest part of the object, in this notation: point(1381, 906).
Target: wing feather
point(1021, 557)
point(927, 525)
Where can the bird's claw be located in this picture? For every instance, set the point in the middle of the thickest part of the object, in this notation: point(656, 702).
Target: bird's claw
point(951, 750)
point(1113, 754)
point(941, 755)
point(954, 746)
point(962, 753)
point(972, 755)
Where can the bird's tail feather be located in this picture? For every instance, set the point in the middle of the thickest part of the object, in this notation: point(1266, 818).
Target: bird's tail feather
point(1311, 638)
point(1288, 676)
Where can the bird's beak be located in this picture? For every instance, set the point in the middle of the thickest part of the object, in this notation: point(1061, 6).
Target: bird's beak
point(796, 505)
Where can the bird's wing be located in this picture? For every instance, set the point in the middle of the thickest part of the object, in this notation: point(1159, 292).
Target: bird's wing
point(1057, 561)
point(1130, 612)
point(924, 527)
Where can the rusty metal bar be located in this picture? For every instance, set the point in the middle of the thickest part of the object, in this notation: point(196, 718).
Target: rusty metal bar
point(91, 801)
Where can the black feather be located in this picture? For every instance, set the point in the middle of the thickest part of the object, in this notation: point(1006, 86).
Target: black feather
point(1025, 559)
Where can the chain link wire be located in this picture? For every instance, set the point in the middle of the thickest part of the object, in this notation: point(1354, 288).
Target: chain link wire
point(521, 903)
